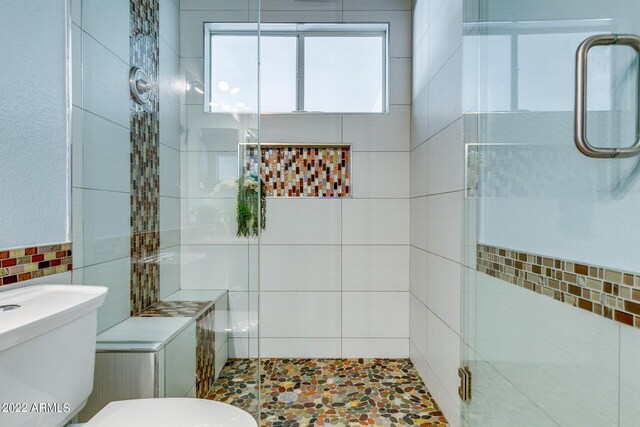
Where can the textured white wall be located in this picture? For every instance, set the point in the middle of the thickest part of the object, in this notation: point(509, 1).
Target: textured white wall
point(34, 158)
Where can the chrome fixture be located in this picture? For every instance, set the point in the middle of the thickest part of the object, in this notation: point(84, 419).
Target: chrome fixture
point(581, 140)
point(141, 87)
point(9, 307)
point(287, 397)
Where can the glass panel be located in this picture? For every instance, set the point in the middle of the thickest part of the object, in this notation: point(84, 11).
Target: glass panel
point(234, 81)
point(550, 262)
point(154, 198)
point(344, 74)
point(278, 74)
point(220, 213)
point(220, 208)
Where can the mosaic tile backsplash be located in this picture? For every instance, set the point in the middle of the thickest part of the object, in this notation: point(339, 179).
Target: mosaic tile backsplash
point(304, 171)
point(608, 293)
point(17, 265)
point(145, 161)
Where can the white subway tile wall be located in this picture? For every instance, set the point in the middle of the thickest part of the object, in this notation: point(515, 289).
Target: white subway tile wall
point(101, 151)
point(436, 199)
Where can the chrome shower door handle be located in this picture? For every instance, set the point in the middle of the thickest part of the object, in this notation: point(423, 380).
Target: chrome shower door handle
point(581, 139)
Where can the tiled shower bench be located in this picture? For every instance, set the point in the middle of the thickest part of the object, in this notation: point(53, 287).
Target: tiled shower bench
point(175, 348)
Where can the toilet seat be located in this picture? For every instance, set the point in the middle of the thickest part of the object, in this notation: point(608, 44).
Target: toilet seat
point(171, 412)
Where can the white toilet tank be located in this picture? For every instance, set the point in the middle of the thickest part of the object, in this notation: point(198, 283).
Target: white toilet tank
point(47, 352)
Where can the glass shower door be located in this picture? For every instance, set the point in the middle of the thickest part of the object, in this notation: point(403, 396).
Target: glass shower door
point(220, 213)
point(552, 277)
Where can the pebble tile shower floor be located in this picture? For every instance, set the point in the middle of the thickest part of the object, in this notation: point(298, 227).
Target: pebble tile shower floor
point(330, 392)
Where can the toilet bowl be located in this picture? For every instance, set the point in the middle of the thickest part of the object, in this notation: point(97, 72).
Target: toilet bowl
point(47, 355)
point(170, 412)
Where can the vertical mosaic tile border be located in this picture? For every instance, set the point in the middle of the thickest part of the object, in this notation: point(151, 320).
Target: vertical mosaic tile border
point(205, 353)
point(605, 292)
point(18, 265)
point(145, 161)
point(303, 171)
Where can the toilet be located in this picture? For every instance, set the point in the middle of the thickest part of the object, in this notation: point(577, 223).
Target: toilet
point(167, 412)
point(47, 357)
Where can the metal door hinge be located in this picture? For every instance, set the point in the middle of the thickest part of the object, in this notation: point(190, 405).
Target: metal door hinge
point(464, 390)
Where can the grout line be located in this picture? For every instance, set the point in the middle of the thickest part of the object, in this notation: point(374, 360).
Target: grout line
point(84, 110)
point(438, 133)
point(99, 263)
point(436, 254)
point(336, 338)
point(168, 146)
point(109, 50)
point(341, 280)
point(445, 63)
point(437, 194)
point(297, 291)
point(102, 190)
point(454, 399)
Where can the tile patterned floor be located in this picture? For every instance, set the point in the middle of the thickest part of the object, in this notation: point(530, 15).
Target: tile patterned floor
point(330, 392)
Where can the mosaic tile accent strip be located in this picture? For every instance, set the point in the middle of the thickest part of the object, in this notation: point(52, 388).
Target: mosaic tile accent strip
point(145, 162)
point(303, 171)
point(605, 292)
point(17, 265)
point(174, 309)
point(330, 392)
point(205, 353)
point(205, 336)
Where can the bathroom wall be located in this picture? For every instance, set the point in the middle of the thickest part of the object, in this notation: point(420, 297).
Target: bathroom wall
point(171, 87)
point(436, 199)
point(35, 161)
point(35, 231)
point(101, 175)
point(334, 272)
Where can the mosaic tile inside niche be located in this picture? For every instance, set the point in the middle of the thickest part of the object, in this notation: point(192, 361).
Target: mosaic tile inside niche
point(303, 171)
point(174, 309)
point(20, 264)
point(205, 353)
point(145, 181)
point(331, 392)
point(605, 292)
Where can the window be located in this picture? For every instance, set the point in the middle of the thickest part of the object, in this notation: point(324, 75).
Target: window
point(328, 68)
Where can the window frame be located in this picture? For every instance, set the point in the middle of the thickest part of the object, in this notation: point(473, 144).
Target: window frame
point(359, 29)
